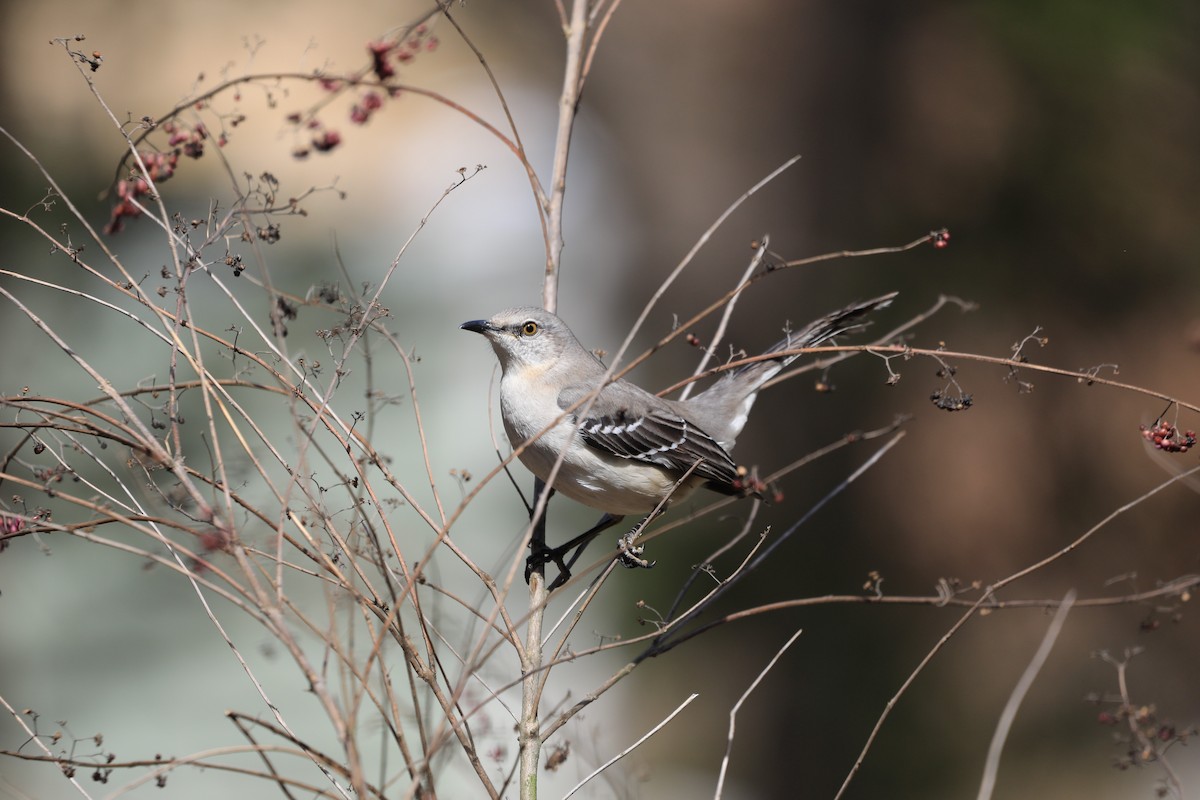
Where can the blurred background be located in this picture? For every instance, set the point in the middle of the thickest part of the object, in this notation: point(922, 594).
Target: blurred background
point(1058, 143)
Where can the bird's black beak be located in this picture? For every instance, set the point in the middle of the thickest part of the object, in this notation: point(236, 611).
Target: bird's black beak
point(476, 326)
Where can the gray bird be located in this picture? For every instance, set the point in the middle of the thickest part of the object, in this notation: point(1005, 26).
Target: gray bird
point(624, 450)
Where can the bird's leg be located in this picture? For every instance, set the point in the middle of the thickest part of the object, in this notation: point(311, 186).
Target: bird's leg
point(630, 554)
point(537, 538)
point(542, 554)
point(584, 539)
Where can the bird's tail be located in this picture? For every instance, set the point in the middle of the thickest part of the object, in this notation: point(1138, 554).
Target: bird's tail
point(847, 320)
point(731, 397)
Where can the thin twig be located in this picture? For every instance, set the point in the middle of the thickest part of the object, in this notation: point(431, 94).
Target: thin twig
point(712, 346)
point(631, 747)
point(682, 265)
point(737, 707)
point(676, 635)
point(984, 598)
point(35, 738)
point(991, 767)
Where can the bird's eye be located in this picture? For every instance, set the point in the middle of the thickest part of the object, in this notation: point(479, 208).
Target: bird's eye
point(530, 328)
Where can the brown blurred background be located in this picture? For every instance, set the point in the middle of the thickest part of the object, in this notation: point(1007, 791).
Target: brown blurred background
point(1058, 143)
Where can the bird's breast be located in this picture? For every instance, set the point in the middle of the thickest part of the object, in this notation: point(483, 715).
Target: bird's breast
point(610, 483)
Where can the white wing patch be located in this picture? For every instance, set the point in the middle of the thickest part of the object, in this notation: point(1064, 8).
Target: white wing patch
point(604, 427)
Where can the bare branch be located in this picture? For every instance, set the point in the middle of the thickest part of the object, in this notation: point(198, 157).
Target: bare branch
point(991, 767)
point(631, 747)
point(737, 707)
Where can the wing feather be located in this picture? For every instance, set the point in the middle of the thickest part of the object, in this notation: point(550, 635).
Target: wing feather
point(666, 440)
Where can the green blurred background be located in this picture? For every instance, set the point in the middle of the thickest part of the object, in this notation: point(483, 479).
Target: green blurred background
point(1058, 143)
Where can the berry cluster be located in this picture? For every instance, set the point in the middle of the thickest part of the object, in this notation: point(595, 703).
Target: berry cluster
point(386, 54)
point(749, 483)
point(951, 403)
point(1166, 436)
point(183, 139)
point(190, 139)
point(160, 167)
point(1150, 736)
point(361, 111)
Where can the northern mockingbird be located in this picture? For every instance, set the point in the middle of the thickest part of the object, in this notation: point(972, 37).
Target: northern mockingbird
point(624, 450)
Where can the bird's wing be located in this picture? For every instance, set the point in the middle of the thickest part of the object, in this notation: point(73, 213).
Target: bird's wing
point(628, 423)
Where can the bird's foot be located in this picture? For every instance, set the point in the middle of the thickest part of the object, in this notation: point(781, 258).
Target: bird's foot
point(629, 554)
point(543, 555)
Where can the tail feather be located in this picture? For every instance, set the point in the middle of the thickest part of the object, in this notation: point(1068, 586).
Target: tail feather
point(847, 320)
point(731, 397)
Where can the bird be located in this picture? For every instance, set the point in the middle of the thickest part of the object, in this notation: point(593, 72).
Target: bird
point(624, 450)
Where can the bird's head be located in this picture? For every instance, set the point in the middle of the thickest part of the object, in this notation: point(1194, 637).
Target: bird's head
point(525, 337)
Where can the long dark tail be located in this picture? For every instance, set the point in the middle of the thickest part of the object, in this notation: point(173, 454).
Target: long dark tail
point(847, 320)
point(730, 398)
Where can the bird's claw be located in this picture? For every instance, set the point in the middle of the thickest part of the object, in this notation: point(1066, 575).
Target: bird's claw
point(543, 555)
point(629, 555)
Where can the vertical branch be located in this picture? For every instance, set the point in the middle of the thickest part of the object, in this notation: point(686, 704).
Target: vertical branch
point(568, 104)
point(529, 733)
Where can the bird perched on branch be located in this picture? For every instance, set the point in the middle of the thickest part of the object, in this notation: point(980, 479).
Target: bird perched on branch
point(622, 449)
